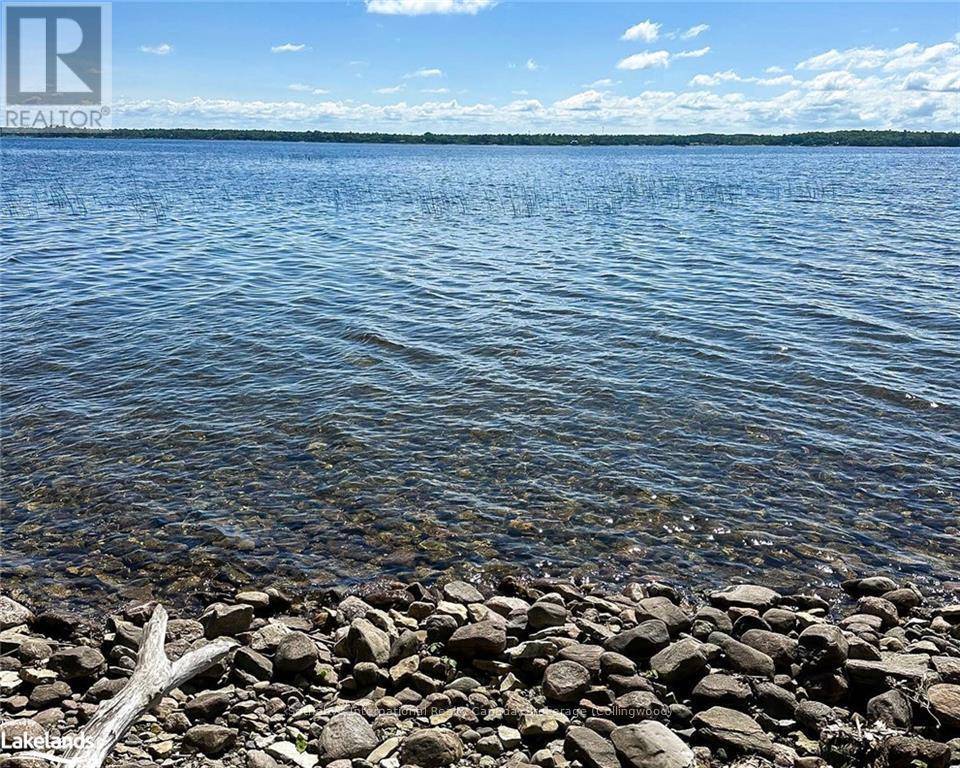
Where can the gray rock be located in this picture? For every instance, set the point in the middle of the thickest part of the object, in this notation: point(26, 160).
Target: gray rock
point(509, 737)
point(207, 706)
point(543, 614)
point(366, 642)
point(288, 752)
point(485, 638)
point(33, 650)
point(780, 648)
point(507, 606)
point(944, 700)
point(258, 759)
point(77, 663)
point(406, 645)
point(905, 599)
point(871, 585)
point(813, 715)
point(347, 735)
point(258, 600)
point(641, 642)
point(253, 663)
point(539, 726)
point(880, 607)
point(296, 652)
point(730, 728)
point(585, 655)
point(822, 646)
point(613, 663)
point(636, 706)
point(715, 617)
point(912, 751)
point(13, 614)
point(20, 729)
point(220, 619)
point(210, 739)
point(681, 662)
point(352, 608)
point(49, 695)
point(489, 745)
point(909, 667)
point(589, 748)
point(662, 608)
point(780, 619)
point(740, 657)
point(892, 709)
point(565, 681)
point(720, 689)
point(948, 667)
point(746, 596)
point(775, 701)
point(651, 745)
point(462, 592)
point(104, 688)
point(431, 748)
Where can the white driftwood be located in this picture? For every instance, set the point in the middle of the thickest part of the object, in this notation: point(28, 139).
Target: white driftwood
point(153, 676)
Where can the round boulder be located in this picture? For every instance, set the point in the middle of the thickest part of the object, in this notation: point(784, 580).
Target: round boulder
point(565, 681)
point(297, 652)
point(347, 735)
point(431, 748)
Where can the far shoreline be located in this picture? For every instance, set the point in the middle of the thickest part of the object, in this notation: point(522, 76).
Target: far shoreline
point(857, 138)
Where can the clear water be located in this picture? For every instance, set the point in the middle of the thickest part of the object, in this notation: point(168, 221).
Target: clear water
point(249, 361)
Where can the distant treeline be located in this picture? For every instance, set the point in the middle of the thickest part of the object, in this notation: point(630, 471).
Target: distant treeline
point(811, 139)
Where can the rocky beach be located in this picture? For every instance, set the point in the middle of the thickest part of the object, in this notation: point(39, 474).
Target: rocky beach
point(546, 673)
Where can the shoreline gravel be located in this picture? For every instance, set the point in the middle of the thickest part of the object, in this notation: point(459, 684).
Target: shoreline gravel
point(543, 672)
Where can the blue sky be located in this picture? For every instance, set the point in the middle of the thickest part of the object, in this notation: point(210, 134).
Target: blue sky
point(478, 65)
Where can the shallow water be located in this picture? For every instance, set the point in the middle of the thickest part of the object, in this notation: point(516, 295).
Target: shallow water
point(230, 361)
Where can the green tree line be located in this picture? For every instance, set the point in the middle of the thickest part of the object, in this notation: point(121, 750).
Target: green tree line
point(808, 139)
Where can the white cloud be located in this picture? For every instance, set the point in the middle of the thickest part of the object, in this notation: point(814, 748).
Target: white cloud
point(715, 79)
point(647, 31)
point(424, 72)
point(604, 82)
point(775, 81)
point(692, 54)
point(580, 101)
point(304, 88)
point(911, 87)
point(157, 50)
point(948, 82)
point(694, 111)
point(288, 48)
point(694, 31)
point(423, 7)
point(774, 70)
point(645, 60)
point(908, 56)
point(659, 59)
point(521, 92)
point(708, 81)
point(434, 90)
point(841, 80)
point(912, 56)
point(852, 58)
point(531, 65)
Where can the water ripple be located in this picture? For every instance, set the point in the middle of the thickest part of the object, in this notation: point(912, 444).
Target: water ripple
point(234, 361)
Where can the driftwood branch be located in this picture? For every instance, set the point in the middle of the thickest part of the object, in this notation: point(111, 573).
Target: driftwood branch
point(153, 677)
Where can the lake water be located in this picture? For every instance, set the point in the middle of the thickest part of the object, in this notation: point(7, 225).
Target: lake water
point(228, 361)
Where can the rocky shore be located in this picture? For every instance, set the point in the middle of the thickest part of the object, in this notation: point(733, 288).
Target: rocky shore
point(541, 673)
